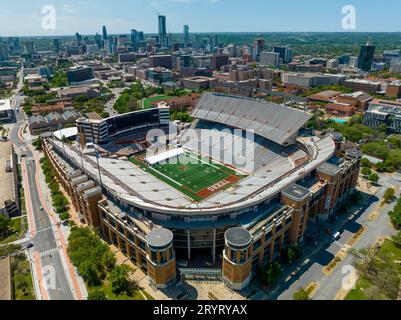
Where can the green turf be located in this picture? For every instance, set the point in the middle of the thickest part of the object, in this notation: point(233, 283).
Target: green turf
point(147, 103)
point(189, 178)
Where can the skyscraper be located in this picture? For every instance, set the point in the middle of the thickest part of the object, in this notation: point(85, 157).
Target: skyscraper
point(78, 39)
point(285, 53)
point(3, 51)
point(366, 57)
point(98, 40)
point(105, 37)
point(258, 47)
point(162, 31)
point(134, 36)
point(186, 35)
point(30, 47)
point(56, 43)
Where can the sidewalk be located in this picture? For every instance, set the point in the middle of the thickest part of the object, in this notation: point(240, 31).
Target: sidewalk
point(61, 233)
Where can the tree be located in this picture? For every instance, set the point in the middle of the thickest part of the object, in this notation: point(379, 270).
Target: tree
point(366, 163)
point(270, 274)
point(374, 178)
point(290, 254)
point(5, 225)
point(37, 144)
point(64, 216)
point(397, 240)
point(389, 195)
point(366, 171)
point(98, 295)
point(301, 294)
point(92, 257)
point(119, 278)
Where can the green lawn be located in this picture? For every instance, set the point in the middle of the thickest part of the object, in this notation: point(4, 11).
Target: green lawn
point(107, 288)
point(22, 279)
point(387, 252)
point(189, 178)
point(15, 231)
point(147, 102)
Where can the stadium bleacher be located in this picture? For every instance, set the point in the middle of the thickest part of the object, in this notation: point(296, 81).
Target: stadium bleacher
point(274, 122)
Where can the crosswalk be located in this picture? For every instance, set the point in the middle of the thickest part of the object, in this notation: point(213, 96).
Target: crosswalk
point(48, 252)
point(43, 230)
point(389, 184)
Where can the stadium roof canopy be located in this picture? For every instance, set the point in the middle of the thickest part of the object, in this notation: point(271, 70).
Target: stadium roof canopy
point(271, 121)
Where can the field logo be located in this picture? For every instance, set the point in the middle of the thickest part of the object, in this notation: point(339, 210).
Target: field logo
point(349, 19)
point(49, 18)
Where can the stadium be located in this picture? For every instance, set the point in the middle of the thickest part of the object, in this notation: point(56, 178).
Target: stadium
point(241, 171)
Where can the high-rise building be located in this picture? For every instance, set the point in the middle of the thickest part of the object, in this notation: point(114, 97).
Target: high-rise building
point(30, 47)
point(122, 40)
point(285, 53)
point(366, 57)
point(134, 36)
point(186, 35)
point(258, 47)
point(98, 40)
point(270, 59)
point(163, 40)
point(141, 36)
point(3, 51)
point(56, 43)
point(105, 37)
point(78, 39)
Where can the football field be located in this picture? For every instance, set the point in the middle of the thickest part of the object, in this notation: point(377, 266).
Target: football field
point(195, 176)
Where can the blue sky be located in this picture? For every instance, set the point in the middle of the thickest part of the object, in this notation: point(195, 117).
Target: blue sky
point(23, 17)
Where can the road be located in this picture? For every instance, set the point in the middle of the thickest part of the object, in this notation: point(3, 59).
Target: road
point(42, 231)
point(372, 217)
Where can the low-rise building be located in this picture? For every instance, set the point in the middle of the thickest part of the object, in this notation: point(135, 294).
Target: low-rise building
point(394, 89)
point(159, 75)
point(379, 116)
point(308, 80)
point(363, 85)
point(198, 83)
point(9, 195)
point(58, 106)
point(89, 92)
point(51, 122)
point(6, 111)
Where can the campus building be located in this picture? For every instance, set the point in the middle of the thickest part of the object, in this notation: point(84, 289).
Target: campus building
point(234, 216)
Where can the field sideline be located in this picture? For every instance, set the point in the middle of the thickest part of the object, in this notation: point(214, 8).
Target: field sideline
point(196, 180)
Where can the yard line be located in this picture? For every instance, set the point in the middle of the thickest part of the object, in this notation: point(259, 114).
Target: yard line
point(166, 176)
point(208, 163)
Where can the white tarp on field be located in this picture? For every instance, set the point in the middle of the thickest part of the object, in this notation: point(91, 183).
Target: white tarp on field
point(161, 157)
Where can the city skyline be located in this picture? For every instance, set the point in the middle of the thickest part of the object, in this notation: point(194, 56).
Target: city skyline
point(221, 16)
